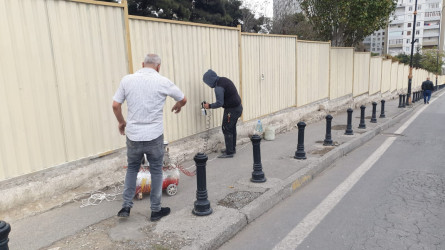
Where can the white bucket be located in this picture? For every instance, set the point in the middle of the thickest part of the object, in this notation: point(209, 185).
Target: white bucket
point(269, 133)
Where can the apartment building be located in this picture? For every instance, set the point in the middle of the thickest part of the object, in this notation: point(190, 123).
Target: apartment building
point(427, 26)
point(376, 42)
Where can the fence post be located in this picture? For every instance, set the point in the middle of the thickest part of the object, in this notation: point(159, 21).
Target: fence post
point(128, 38)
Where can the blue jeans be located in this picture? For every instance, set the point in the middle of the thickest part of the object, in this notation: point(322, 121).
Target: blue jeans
point(154, 150)
point(426, 93)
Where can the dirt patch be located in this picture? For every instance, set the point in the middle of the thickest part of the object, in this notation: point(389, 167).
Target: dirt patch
point(321, 151)
point(338, 127)
point(239, 199)
point(96, 237)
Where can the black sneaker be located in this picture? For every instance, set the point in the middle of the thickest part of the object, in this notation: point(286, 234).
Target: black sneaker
point(225, 156)
point(124, 212)
point(224, 151)
point(155, 216)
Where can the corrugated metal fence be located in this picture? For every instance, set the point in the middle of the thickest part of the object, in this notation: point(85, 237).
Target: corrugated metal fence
point(62, 60)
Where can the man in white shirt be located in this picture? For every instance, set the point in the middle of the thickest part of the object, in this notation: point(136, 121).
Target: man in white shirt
point(145, 92)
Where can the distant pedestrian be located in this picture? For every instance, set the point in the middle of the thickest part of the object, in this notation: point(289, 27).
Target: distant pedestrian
point(227, 97)
point(145, 92)
point(427, 87)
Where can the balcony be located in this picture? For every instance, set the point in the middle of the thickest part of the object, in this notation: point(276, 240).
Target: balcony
point(432, 34)
point(434, 42)
point(398, 45)
point(430, 27)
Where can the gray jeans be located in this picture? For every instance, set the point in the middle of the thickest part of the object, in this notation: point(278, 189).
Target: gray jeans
point(154, 150)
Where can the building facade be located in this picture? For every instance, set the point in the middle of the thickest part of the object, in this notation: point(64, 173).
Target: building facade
point(376, 42)
point(427, 26)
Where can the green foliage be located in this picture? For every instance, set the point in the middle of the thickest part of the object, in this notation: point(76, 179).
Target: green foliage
point(403, 58)
point(347, 22)
point(432, 60)
point(217, 12)
point(295, 24)
point(428, 59)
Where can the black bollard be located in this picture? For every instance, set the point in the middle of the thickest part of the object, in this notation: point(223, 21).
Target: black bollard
point(382, 110)
point(202, 204)
point(300, 154)
point(362, 117)
point(400, 100)
point(414, 97)
point(5, 228)
point(374, 111)
point(349, 130)
point(403, 101)
point(257, 174)
point(328, 139)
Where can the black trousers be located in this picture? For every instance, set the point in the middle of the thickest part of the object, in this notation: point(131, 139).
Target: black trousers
point(230, 118)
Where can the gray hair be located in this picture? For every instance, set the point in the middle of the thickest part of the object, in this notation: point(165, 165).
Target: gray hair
point(152, 59)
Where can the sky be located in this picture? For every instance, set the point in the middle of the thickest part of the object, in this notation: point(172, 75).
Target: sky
point(260, 6)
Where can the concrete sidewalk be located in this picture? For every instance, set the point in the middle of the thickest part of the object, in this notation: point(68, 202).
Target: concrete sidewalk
point(234, 199)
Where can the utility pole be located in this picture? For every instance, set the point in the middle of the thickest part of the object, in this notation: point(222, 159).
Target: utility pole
point(410, 76)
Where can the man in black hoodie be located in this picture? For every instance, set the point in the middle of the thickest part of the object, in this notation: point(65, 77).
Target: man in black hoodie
point(427, 87)
point(227, 97)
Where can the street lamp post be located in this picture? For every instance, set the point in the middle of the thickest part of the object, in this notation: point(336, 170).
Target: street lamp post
point(410, 76)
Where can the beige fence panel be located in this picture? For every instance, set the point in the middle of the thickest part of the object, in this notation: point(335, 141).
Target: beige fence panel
point(400, 77)
point(405, 77)
point(361, 73)
point(375, 78)
point(90, 59)
point(187, 51)
point(394, 76)
point(341, 73)
point(268, 74)
point(31, 130)
point(312, 72)
point(386, 76)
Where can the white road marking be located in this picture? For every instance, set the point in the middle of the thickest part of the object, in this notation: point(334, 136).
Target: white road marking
point(305, 227)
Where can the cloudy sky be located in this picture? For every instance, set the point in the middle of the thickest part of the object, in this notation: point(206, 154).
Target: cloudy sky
point(260, 6)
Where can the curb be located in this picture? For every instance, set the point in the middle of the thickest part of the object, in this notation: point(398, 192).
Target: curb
point(296, 181)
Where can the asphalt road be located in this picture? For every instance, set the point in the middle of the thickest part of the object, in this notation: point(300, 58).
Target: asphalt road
point(387, 194)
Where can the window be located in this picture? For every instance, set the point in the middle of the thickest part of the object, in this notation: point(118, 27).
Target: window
point(408, 33)
point(378, 34)
point(378, 39)
point(419, 7)
point(410, 8)
point(417, 32)
point(407, 49)
point(432, 13)
point(373, 49)
point(434, 5)
point(408, 40)
point(384, 32)
point(418, 24)
point(409, 25)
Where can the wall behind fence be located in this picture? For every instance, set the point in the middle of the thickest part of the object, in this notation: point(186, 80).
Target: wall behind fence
point(361, 73)
point(268, 74)
point(341, 72)
point(312, 72)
